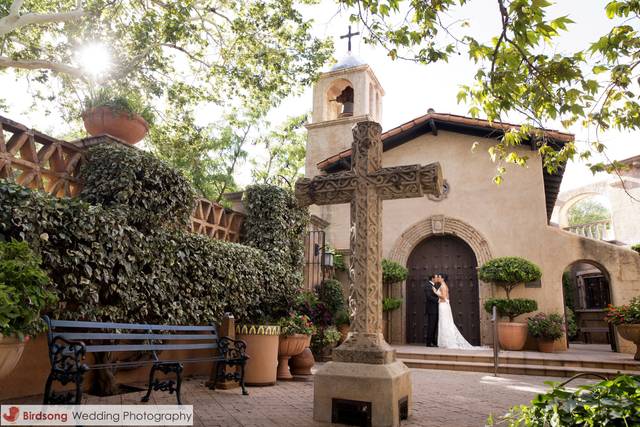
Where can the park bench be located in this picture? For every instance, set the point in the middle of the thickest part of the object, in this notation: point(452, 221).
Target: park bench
point(70, 341)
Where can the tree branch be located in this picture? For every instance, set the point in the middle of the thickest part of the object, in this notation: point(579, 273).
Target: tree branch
point(40, 64)
point(14, 20)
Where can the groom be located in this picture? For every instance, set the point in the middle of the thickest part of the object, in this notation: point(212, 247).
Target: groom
point(431, 310)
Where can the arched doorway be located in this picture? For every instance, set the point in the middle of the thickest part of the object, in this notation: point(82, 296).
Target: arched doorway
point(452, 256)
point(587, 293)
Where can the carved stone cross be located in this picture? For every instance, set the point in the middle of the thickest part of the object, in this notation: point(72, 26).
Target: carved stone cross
point(365, 186)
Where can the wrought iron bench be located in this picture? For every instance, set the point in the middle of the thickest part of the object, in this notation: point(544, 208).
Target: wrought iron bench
point(70, 341)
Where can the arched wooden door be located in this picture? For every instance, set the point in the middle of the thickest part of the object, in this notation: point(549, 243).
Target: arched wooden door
point(451, 256)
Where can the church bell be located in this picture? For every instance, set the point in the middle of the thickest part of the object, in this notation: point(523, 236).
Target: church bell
point(347, 109)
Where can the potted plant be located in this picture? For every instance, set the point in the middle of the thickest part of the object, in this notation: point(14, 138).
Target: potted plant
point(626, 318)
point(509, 272)
point(324, 340)
point(262, 341)
point(23, 296)
point(392, 273)
point(117, 114)
point(343, 324)
point(295, 336)
point(547, 329)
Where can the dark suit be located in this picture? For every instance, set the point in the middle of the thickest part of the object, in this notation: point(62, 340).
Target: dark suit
point(431, 310)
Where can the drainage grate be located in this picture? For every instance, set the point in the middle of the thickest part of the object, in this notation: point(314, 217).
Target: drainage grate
point(351, 412)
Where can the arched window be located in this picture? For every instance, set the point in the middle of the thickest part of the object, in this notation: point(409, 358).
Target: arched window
point(340, 100)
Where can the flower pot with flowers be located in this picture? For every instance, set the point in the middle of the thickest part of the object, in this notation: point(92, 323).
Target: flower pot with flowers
point(626, 319)
point(507, 273)
point(23, 296)
point(547, 328)
point(295, 335)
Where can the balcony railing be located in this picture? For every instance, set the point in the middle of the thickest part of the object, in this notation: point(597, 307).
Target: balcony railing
point(599, 230)
point(40, 162)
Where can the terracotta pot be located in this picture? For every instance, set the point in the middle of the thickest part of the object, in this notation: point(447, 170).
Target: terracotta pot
point(290, 346)
point(512, 335)
point(302, 363)
point(11, 349)
point(344, 332)
point(262, 348)
point(631, 332)
point(545, 345)
point(103, 120)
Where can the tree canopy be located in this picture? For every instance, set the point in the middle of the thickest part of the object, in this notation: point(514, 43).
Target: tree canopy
point(587, 211)
point(519, 71)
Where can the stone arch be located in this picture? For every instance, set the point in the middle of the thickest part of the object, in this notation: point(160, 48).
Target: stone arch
point(418, 232)
point(333, 108)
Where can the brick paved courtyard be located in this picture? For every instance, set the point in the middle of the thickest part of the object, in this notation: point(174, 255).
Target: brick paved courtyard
point(441, 398)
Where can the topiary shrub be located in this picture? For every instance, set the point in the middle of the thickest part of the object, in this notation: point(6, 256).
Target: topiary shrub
point(509, 272)
point(23, 290)
point(154, 194)
point(510, 308)
point(392, 272)
point(330, 293)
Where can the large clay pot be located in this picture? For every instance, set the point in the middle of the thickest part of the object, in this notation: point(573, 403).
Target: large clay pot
point(512, 335)
point(262, 348)
point(290, 346)
point(103, 120)
point(545, 345)
point(11, 349)
point(631, 332)
point(302, 363)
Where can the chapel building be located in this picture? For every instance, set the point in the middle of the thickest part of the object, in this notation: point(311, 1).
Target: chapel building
point(474, 221)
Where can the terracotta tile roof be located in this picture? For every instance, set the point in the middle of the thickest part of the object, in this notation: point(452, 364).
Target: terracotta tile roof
point(451, 119)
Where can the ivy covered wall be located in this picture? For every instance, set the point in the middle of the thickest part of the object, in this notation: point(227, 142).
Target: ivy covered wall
point(123, 257)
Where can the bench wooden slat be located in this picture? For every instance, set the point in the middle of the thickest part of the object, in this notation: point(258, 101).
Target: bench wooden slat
point(80, 336)
point(148, 347)
point(137, 363)
point(110, 325)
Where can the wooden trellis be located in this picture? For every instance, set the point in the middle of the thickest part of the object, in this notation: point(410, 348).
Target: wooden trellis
point(38, 161)
point(214, 220)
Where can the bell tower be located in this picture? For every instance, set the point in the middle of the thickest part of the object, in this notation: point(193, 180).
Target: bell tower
point(346, 94)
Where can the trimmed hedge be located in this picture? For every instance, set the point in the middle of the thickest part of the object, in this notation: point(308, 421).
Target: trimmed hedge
point(154, 194)
point(105, 269)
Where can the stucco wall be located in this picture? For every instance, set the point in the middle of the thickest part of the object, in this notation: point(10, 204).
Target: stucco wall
point(511, 217)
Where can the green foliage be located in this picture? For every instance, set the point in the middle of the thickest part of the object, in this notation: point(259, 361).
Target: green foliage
point(390, 304)
point(516, 73)
point(636, 248)
point(276, 225)
point(330, 293)
point(567, 290)
point(324, 338)
point(338, 262)
point(105, 269)
point(510, 308)
point(587, 211)
point(509, 272)
point(120, 102)
point(23, 290)
point(153, 193)
point(624, 314)
point(392, 272)
point(548, 327)
point(342, 318)
point(296, 324)
point(572, 326)
point(614, 402)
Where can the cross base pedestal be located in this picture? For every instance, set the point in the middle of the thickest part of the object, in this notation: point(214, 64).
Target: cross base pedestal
point(362, 347)
point(385, 387)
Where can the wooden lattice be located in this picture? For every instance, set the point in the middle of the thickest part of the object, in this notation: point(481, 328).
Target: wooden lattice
point(38, 161)
point(35, 160)
point(214, 220)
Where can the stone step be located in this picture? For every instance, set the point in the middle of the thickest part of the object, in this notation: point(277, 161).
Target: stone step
point(514, 359)
point(514, 369)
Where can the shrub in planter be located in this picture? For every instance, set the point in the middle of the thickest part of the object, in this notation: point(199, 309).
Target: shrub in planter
point(390, 304)
point(547, 329)
point(509, 272)
point(23, 296)
point(330, 293)
point(511, 308)
point(324, 340)
point(612, 402)
point(343, 323)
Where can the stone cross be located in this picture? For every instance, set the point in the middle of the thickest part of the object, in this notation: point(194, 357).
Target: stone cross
point(365, 186)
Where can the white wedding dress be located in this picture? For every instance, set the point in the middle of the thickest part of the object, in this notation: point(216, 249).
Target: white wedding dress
point(448, 334)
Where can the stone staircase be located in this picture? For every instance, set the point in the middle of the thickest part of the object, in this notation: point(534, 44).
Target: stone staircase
point(521, 362)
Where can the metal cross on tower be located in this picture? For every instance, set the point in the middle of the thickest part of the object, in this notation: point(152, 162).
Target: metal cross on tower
point(349, 35)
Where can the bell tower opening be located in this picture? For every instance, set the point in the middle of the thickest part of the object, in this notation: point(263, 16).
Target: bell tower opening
point(340, 99)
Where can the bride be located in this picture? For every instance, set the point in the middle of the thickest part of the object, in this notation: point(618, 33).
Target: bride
point(448, 334)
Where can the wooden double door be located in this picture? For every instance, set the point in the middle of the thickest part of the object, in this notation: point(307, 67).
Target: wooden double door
point(452, 256)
